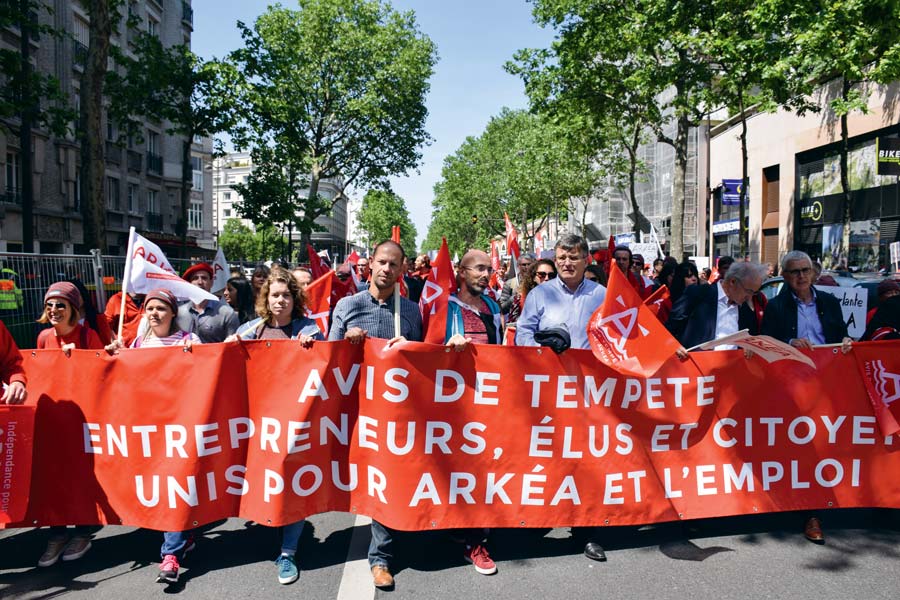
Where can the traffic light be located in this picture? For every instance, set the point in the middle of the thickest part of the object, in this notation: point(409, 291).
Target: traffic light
point(474, 219)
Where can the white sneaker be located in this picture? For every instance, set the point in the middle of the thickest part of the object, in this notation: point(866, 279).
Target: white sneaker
point(55, 548)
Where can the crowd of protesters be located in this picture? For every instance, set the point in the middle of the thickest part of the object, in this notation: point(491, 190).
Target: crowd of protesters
point(537, 301)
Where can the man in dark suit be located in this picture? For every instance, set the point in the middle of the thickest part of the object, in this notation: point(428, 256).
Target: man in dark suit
point(708, 312)
point(803, 318)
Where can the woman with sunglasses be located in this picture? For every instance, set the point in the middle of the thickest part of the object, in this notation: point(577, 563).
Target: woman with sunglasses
point(62, 310)
point(530, 277)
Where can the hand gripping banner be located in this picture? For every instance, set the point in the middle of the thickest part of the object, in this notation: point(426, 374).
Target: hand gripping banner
point(422, 438)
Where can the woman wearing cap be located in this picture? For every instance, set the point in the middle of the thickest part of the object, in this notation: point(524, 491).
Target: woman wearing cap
point(282, 315)
point(62, 310)
point(160, 308)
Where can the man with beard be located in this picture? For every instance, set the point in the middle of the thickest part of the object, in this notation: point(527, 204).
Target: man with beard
point(371, 314)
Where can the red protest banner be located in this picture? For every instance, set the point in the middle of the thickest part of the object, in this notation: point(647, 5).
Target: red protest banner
point(421, 438)
point(16, 439)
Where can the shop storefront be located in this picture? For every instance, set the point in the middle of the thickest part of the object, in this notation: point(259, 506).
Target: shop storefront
point(874, 205)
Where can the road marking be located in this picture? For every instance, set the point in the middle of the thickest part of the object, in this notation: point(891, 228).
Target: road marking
point(356, 581)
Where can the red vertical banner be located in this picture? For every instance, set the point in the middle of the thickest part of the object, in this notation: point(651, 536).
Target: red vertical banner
point(435, 296)
point(16, 440)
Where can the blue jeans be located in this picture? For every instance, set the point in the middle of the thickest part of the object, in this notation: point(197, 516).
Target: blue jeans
point(380, 552)
point(174, 543)
point(290, 537)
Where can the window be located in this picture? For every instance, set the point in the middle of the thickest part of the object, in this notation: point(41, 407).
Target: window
point(227, 212)
point(197, 168)
point(82, 31)
point(110, 129)
point(198, 139)
point(13, 172)
point(112, 193)
point(132, 198)
point(77, 200)
point(152, 26)
point(152, 202)
point(152, 142)
point(195, 215)
point(227, 196)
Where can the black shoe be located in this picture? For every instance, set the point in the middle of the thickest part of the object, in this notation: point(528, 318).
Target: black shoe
point(594, 551)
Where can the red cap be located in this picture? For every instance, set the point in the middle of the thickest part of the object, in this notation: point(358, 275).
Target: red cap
point(196, 269)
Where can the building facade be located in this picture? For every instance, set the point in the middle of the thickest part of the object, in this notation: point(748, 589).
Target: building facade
point(795, 195)
point(142, 184)
point(236, 167)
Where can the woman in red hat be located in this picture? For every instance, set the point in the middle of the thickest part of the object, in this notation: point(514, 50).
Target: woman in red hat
point(62, 310)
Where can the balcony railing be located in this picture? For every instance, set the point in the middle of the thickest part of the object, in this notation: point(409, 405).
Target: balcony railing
point(154, 222)
point(79, 53)
point(11, 196)
point(134, 161)
point(154, 163)
point(187, 13)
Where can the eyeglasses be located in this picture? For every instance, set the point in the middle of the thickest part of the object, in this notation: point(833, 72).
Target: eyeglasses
point(481, 269)
point(798, 272)
point(545, 275)
point(56, 305)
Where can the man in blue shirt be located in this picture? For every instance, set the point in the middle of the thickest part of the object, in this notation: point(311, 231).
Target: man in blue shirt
point(567, 301)
point(370, 313)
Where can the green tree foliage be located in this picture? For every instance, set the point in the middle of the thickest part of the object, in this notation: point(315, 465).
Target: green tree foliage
point(337, 90)
point(522, 164)
point(174, 85)
point(240, 242)
point(856, 43)
point(381, 210)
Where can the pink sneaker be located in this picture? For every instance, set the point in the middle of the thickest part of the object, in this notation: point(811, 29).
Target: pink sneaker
point(168, 570)
point(479, 557)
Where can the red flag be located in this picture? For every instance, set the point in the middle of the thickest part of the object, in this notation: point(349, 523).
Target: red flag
point(610, 252)
point(495, 284)
point(512, 238)
point(655, 300)
point(316, 266)
point(318, 300)
point(624, 333)
point(353, 258)
point(882, 385)
point(395, 233)
point(436, 295)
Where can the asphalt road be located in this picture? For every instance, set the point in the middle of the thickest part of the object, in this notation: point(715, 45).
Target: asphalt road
point(748, 557)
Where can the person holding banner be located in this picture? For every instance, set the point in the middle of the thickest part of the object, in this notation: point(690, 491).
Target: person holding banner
point(11, 371)
point(802, 318)
point(62, 309)
point(472, 317)
point(709, 312)
point(211, 320)
point(379, 312)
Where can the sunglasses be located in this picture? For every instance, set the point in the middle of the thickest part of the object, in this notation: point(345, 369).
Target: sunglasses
point(56, 305)
point(545, 274)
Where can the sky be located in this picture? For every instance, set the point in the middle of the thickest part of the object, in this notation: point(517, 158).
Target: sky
point(474, 39)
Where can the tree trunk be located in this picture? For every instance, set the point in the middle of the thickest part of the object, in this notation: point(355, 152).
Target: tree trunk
point(843, 259)
point(187, 180)
point(93, 208)
point(26, 159)
point(632, 176)
point(676, 233)
point(742, 196)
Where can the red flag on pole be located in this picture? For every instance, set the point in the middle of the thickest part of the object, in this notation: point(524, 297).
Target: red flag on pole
point(657, 300)
point(625, 334)
point(318, 301)
point(316, 266)
point(395, 233)
point(436, 296)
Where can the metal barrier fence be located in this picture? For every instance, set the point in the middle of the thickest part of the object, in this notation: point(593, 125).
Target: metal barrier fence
point(32, 274)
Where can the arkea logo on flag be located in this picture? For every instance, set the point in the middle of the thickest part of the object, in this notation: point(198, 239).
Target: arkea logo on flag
point(220, 272)
point(436, 295)
point(148, 269)
point(625, 334)
point(882, 386)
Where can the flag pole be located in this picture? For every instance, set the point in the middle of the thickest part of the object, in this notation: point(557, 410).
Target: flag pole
point(396, 310)
point(126, 276)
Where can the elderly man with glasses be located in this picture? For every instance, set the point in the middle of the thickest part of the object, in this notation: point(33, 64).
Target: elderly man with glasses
point(709, 312)
point(803, 318)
